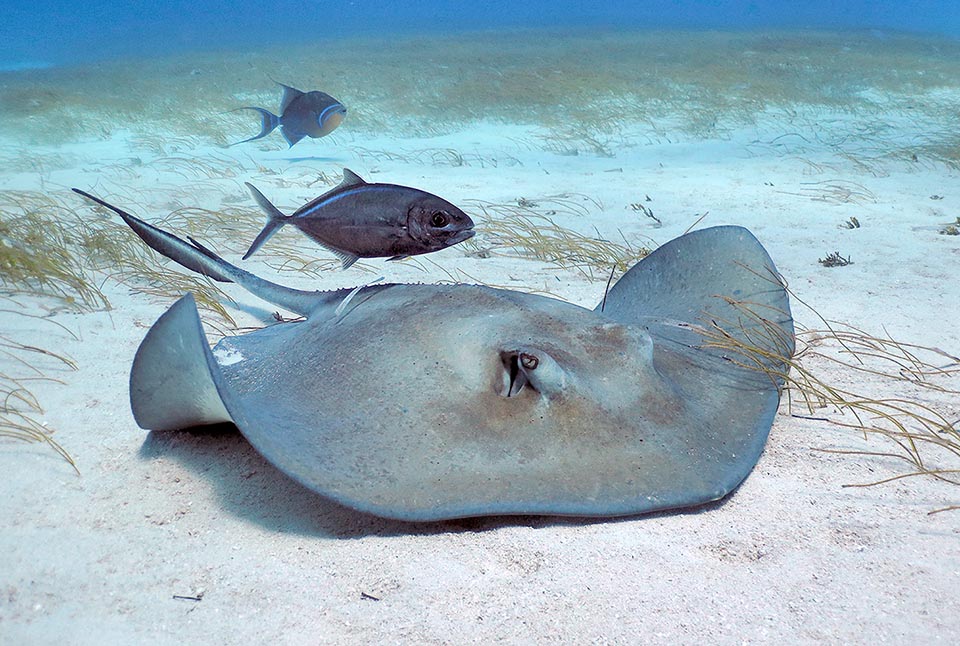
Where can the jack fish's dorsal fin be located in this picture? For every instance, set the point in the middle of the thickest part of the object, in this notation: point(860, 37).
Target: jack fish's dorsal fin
point(350, 179)
point(290, 94)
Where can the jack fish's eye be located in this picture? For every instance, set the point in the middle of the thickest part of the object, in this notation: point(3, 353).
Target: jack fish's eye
point(439, 219)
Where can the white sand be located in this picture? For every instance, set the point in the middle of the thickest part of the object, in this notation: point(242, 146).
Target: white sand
point(790, 557)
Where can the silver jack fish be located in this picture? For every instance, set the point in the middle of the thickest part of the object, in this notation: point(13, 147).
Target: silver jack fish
point(302, 114)
point(361, 220)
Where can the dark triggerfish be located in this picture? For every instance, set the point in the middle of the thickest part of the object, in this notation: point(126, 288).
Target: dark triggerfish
point(302, 114)
point(361, 220)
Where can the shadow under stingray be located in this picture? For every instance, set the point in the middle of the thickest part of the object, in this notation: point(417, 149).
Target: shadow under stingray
point(250, 487)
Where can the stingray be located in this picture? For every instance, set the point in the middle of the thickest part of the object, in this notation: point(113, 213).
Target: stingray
point(429, 402)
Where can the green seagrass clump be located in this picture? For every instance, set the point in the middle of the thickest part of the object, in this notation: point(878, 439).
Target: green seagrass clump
point(921, 434)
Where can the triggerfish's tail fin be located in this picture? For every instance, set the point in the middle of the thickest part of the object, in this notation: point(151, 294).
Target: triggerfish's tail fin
point(270, 122)
point(198, 258)
point(275, 220)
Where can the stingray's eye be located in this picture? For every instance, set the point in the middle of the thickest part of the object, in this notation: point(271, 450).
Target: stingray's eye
point(439, 219)
point(534, 368)
point(529, 361)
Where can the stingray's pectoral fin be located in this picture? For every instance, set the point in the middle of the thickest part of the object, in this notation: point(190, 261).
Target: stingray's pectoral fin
point(175, 382)
point(719, 280)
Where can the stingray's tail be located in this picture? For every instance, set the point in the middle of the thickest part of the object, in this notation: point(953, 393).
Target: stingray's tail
point(270, 121)
point(275, 220)
point(198, 258)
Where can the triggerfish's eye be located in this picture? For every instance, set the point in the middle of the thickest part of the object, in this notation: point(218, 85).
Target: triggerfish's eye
point(439, 219)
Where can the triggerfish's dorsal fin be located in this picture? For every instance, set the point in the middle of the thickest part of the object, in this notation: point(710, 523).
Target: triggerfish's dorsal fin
point(290, 94)
point(720, 277)
point(350, 179)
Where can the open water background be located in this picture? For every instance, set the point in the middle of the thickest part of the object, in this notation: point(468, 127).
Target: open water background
point(50, 32)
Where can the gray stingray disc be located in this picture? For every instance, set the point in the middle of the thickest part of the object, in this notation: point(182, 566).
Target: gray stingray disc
point(426, 402)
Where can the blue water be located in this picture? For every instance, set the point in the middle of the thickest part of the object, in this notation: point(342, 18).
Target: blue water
point(51, 32)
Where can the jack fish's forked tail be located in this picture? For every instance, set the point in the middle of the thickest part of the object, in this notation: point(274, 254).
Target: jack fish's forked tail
point(270, 122)
point(275, 220)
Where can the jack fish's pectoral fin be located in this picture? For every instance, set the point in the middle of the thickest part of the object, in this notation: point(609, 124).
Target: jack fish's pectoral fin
point(395, 258)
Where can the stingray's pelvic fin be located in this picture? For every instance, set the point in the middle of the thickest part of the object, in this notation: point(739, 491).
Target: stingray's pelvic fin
point(202, 260)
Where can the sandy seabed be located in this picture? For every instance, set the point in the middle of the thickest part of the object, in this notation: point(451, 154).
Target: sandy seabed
point(191, 536)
